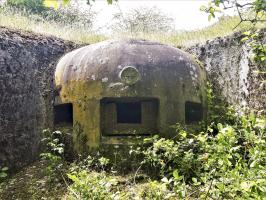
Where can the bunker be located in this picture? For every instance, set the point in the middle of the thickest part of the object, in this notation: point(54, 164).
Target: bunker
point(126, 88)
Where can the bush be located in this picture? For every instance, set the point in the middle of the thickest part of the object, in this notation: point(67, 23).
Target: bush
point(87, 185)
point(142, 20)
point(71, 16)
point(93, 161)
point(33, 6)
point(53, 153)
point(229, 164)
point(35, 10)
point(225, 163)
point(155, 190)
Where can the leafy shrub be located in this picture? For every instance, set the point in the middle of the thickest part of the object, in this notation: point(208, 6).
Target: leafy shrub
point(233, 161)
point(93, 161)
point(225, 163)
point(35, 10)
point(253, 40)
point(71, 16)
point(53, 152)
point(226, 160)
point(142, 20)
point(228, 164)
point(157, 191)
point(33, 6)
point(88, 185)
point(165, 155)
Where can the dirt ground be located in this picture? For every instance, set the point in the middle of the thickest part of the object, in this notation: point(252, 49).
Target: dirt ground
point(32, 183)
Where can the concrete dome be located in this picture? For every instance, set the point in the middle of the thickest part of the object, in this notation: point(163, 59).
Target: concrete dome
point(127, 69)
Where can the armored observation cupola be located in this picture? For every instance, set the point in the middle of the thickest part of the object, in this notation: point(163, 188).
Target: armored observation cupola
point(122, 88)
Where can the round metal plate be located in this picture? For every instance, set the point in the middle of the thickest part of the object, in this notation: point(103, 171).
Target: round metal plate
point(129, 75)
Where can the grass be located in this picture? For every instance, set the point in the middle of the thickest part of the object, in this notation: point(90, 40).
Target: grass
point(224, 27)
point(83, 35)
point(32, 183)
point(77, 34)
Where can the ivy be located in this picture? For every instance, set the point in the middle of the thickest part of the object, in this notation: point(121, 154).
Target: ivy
point(253, 37)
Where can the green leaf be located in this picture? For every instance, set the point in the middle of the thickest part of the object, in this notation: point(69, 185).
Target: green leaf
point(246, 33)
point(183, 134)
point(221, 186)
point(72, 177)
point(253, 163)
point(175, 174)
point(254, 35)
point(246, 185)
point(244, 39)
point(65, 2)
point(3, 175)
point(4, 169)
point(51, 4)
point(216, 2)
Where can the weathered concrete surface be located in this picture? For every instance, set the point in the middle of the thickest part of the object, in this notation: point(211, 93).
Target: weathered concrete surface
point(92, 73)
point(230, 68)
point(27, 64)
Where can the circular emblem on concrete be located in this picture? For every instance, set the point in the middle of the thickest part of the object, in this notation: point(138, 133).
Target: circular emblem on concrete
point(129, 75)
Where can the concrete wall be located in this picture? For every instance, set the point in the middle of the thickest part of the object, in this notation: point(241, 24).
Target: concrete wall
point(230, 68)
point(27, 64)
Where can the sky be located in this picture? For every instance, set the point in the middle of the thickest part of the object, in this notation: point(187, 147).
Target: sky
point(186, 13)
